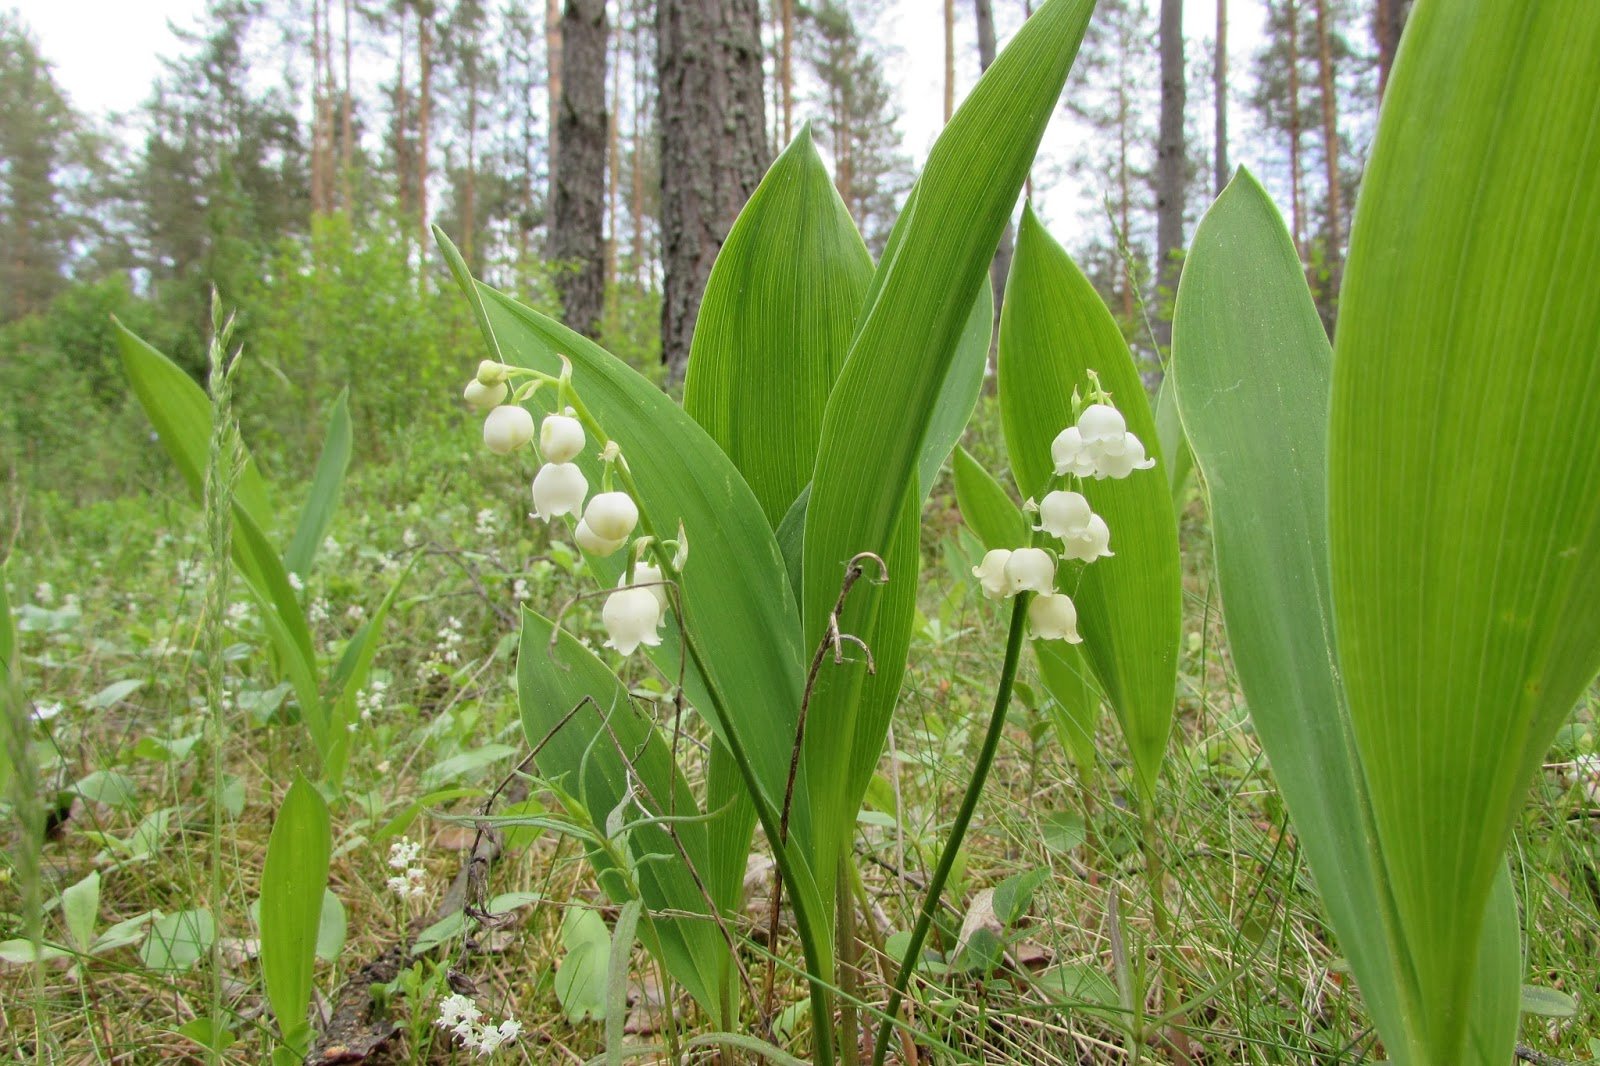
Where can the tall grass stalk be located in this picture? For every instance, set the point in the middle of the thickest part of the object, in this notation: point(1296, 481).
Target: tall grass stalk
point(223, 461)
point(958, 828)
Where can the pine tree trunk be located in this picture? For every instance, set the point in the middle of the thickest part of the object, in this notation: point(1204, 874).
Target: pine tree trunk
point(786, 68)
point(1001, 267)
point(325, 114)
point(1219, 83)
point(1388, 19)
point(614, 165)
point(636, 209)
point(713, 146)
point(1297, 206)
point(346, 137)
point(316, 107)
point(1171, 161)
point(949, 59)
point(552, 45)
point(577, 220)
point(402, 159)
point(424, 106)
point(1333, 210)
point(469, 195)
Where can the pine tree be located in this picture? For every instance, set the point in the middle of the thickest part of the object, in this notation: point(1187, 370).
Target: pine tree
point(37, 126)
point(857, 120)
point(578, 179)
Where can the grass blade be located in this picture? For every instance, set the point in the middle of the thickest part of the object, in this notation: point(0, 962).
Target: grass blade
point(326, 483)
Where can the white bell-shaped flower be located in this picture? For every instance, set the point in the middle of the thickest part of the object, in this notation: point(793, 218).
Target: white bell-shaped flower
point(1128, 458)
point(481, 397)
point(560, 438)
point(1053, 617)
point(1030, 570)
point(1064, 514)
point(612, 515)
point(1092, 542)
point(1071, 455)
point(1101, 424)
point(649, 577)
point(632, 617)
point(558, 489)
point(507, 428)
point(594, 544)
point(991, 573)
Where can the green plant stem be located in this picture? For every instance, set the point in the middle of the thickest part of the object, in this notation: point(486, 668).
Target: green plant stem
point(958, 829)
point(805, 921)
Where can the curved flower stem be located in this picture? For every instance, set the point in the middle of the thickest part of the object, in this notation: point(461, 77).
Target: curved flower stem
point(805, 920)
point(958, 829)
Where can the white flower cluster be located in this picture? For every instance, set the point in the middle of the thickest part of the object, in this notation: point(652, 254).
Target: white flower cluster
point(633, 615)
point(461, 1016)
point(410, 882)
point(370, 700)
point(1098, 446)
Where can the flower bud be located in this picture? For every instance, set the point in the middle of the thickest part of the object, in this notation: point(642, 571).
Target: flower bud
point(560, 438)
point(1030, 570)
point(1071, 454)
point(595, 545)
point(612, 515)
point(631, 617)
point(1053, 617)
point(991, 573)
point(507, 428)
point(482, 397)
point(558, 489)
point(491, 373)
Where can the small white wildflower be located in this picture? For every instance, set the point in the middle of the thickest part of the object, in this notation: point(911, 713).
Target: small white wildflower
point(409, 537)
point(561, 438)
point(593, 544)
point(611, 515)
point(632, 617)
point(403, 853)
point(558, 489)
point(295, 582)
point(1071, 455)
point(44, 712)
point(240, 613)
point(1054, 617)
point(1125, 460)
point(1030, 570)
point(318, 611)
point(1102, 426)
point(519, 590)
point(481, 397)
point(44, 594)
point(487, 522)
point(455, 1009)
point(1083, 534)
point(355, 612)
point(647, 576)
point(330, 546)
point(991, 573)
point(507, 428)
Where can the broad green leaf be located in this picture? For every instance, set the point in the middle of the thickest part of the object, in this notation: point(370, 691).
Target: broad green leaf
point(80, 909)
point(177, 941)
point(113, 694)
point(294, 881)
point(1464, 480)
point(598, 755)
point(1054, 330)
point(775, 325)
point(332, 926)
point(350, 677)
point(733, 584)
point(1251, 371)
point(958, 396)
point(317, 513)
point(180, 412)
point(1174, 445)
point(581, 976)
point(622, 938)
point(985, 506)
point(864, 486)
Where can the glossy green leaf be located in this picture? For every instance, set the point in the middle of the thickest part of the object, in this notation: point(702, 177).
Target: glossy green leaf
point(317, 513)
point(1054, 329)
point(958, 396)
point(1464, 480)
point(775, 325)
point(178, 941)
point(293, 882)
point(581, 976)
point(590, 755)
point(985, 506)
point(865, 482)
point(1251, 371)
point(1174, 445)
point(80, 909)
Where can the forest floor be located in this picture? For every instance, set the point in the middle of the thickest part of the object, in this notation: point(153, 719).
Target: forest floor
point(108, 595)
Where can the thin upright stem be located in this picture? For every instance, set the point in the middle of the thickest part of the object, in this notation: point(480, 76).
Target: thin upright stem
point(958, 829)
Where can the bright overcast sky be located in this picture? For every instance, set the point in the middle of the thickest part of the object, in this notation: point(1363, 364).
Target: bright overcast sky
point(106, 53)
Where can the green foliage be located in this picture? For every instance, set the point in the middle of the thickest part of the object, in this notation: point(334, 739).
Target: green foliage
point(1054, 331)
point(293, 884)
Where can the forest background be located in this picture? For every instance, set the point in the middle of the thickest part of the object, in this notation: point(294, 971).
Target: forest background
point(294, 153)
